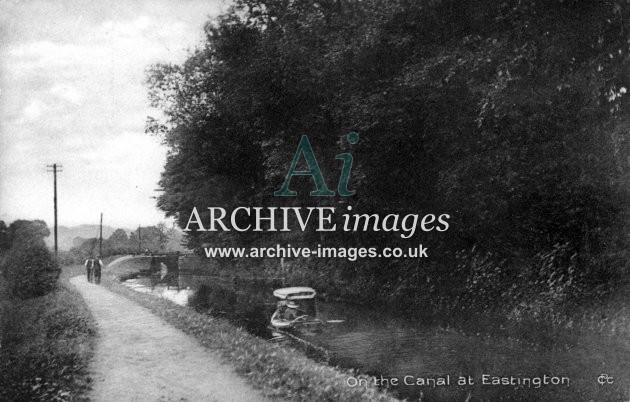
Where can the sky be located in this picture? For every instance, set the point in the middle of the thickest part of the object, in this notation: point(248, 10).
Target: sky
point(72, 92)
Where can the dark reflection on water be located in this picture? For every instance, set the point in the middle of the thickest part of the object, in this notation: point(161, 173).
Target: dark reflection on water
point(380, 344)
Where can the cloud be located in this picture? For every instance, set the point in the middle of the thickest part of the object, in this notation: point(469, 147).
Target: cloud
point(124, 29)
point(34, 110)
point(67, 92)
point(72, 92)
point(46, 54)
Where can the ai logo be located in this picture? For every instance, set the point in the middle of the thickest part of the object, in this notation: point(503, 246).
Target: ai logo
point(304, 148)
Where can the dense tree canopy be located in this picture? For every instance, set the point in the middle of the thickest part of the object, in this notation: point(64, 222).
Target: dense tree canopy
point(510, 116)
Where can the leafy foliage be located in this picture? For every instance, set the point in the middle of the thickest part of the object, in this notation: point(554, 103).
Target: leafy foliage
point(30, 270)
point(26, 232)
point(158, 238)
point(510, 116)
point(5, 237)
point(28, 267)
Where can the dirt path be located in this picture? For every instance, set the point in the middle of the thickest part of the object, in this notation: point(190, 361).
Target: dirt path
point(139, 357)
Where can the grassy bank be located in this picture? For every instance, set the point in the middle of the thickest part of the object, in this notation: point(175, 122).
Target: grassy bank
point(543, 314)
point(47, 343)
point(280, 371)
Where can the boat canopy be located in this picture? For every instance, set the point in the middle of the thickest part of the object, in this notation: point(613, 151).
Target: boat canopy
point(295, 293)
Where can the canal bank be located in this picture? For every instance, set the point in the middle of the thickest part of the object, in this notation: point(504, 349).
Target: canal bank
point(140, 357)
point(393, 350)
point(280, 372)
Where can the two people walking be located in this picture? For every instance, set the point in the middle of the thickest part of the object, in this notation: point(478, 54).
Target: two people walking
point(93, 267)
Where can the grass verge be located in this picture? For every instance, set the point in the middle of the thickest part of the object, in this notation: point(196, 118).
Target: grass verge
point(47, 343)
point(280, 371)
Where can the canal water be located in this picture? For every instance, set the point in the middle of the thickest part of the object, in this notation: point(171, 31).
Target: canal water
point(418, 359)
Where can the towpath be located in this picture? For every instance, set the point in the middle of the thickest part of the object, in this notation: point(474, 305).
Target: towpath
point(139, 357)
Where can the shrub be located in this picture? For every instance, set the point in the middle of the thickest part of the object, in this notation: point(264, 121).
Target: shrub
point(30, 270)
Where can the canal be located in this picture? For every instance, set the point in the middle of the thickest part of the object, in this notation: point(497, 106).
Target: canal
point(419, 358)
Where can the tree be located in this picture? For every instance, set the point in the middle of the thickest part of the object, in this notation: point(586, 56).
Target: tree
point(119, 237)
point(29, 268)
point(507, 115)
point(23, 231)
point(164, 235)
point(5, 239)
point(152, 238)
point(118, 243)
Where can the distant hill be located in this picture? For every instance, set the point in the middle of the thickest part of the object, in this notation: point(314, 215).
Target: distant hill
point(67, 234)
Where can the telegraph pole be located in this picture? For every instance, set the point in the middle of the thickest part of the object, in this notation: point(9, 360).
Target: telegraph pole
point(139, 241)
point(100, 241)
point(55, 168)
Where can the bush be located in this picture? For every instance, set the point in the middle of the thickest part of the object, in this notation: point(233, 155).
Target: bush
point(30, 270)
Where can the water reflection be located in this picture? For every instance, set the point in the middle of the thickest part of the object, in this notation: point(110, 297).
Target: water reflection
point(381, 344)
point(178, 296)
